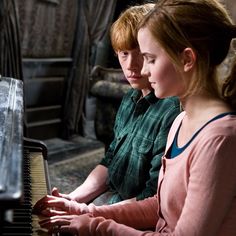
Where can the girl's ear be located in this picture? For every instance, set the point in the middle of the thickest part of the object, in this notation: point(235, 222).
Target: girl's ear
point(188, 58)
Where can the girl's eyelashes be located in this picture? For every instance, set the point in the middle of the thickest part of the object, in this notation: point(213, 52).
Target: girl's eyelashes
point(151, 61)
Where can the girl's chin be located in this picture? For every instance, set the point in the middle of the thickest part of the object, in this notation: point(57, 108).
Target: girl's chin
point(160, 95)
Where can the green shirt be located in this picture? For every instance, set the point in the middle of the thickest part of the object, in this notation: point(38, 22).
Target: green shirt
point(134, 156)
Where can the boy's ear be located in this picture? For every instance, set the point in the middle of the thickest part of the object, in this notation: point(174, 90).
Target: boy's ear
point(188, 58)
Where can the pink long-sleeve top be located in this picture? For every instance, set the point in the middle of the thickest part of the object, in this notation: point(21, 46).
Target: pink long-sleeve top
point(196, 193)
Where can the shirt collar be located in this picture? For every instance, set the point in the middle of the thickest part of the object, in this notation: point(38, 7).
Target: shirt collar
point(150, 98)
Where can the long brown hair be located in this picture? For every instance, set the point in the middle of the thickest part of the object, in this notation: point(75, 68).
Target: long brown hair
point(206, 27)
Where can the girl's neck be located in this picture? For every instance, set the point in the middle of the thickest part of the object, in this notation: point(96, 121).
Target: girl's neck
point(199, 110)
point(204, 107)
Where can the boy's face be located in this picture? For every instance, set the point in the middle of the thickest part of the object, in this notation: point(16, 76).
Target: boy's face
point(131, 62)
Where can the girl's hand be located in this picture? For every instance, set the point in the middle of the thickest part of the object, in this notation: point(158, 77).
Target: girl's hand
point(51, 205)
point(73, 224)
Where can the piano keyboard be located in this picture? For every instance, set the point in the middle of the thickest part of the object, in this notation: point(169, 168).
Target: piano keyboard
point(39, 187)
point(21, 221)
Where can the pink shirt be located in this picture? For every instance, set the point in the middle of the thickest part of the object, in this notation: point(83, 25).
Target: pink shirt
point(196, 191)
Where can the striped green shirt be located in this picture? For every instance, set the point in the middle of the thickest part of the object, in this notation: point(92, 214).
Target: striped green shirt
point(134, 156)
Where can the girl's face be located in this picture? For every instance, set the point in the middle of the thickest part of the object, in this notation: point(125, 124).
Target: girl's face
point(165, 79)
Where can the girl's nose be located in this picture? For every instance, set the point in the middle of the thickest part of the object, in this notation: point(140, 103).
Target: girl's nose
point(145, 71)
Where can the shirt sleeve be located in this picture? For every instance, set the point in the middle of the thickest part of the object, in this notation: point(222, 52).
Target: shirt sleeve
point(130, 213)
point(158, 150)
point(110, 152)
point(101, 226)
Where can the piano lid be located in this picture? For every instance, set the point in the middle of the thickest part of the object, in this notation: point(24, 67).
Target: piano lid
point(11, 138)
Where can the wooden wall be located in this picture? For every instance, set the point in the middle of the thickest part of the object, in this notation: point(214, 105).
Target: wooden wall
point(47, 32)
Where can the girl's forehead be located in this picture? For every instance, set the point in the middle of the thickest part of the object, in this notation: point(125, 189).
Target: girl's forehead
point(147, 41)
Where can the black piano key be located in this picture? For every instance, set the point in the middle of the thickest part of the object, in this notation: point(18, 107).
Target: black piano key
point(22, 217)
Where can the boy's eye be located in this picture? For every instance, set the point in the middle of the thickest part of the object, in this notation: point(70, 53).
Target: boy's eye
point(123, 53)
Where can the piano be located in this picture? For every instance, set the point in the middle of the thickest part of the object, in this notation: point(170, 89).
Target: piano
point(24, 174)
